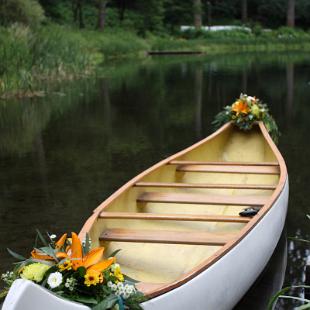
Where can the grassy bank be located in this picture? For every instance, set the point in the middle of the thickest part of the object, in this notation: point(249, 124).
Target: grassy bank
point(32, 57)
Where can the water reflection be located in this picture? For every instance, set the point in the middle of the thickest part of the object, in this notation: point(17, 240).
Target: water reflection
point(60, 156)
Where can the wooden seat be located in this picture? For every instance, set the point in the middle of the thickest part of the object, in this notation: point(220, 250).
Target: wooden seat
point(224, 163)
point(229, 169)
point(202, 199)
point(160, 236)
point(174, 217)
point(204, 185)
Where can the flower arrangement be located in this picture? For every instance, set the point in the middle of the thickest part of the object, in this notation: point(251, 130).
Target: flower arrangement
point(244, 112)
point(70, 269)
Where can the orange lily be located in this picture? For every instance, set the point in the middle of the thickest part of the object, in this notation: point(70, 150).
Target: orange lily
point(240, 107)
point(36, 254)
point(61, 241)
point(91, 261)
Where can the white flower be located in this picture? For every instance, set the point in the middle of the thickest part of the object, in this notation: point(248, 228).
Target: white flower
point(53, 236)
point(114, 287)
point(129, 289)
point(126, 295)
point(70, 284)
point(110, 284)
point(54, 279)
point(120, 285)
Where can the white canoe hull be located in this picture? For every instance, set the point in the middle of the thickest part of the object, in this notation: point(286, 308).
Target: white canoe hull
point(219, 287)
point(224, 283)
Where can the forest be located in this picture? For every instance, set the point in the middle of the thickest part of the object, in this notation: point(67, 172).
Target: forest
point(44, 40)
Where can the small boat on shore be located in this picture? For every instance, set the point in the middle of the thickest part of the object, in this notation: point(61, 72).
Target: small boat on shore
point(179, 227)
point(178, 224)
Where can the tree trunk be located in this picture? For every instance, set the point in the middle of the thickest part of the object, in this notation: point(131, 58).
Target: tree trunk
point(290, 13)
point(197, 14)
point(244, 11)
point(80, 10)
point(101, 13)
point(209, 14)
point(77, 9)
point(122, 10)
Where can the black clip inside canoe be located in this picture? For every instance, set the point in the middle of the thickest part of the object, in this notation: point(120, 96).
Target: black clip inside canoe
point(249, 212)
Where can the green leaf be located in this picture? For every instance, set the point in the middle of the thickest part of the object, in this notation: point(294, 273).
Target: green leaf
point(15, 255)
point(86, 300)
point(131, 280)
point(3, 294)
point(41, 237)
point(82, 271)
point(107, 303)
point(298, 239)
point(295, 298)
point(86, 246)
point(303, 307)
point(113, 254)
point(48, 250)
point(274, 299)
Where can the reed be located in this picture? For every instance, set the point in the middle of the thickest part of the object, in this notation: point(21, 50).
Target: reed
point(29, 56)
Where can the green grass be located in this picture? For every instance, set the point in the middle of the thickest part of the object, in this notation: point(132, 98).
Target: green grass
point(54, 52)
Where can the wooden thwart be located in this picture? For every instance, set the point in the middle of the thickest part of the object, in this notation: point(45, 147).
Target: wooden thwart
point(160, 236)
point(175, 217)
point(202, 199)
point(224, 163)
point(229, 169)
point(204, 185)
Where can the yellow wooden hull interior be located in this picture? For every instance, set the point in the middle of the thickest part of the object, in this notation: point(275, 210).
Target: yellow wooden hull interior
point(165, 263)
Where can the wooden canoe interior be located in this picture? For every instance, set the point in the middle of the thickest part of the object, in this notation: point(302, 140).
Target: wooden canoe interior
point(174, 217)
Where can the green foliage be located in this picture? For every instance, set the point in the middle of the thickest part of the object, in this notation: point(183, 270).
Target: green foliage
point(27, 12)
point(116, 43)
point(51, 52)
point(284, 290)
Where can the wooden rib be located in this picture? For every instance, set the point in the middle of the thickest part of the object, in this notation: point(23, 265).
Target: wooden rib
point(229, 169)
point(203, 199)
point(175, 217)
point(224, 163)
point(169, 237)
point(205, 185)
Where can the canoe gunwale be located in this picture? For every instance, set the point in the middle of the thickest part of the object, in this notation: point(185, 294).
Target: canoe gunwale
point(153, 290)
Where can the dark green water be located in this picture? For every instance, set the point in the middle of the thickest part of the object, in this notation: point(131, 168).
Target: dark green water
point(60, 156)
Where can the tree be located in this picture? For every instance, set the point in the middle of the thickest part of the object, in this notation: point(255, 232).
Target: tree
point(102, 4)
point(27, 12)
point(197, 14)
point(291, 13)
point(244, 11)
point(77, 8)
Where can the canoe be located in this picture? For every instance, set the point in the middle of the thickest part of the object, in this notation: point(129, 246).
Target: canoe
point(178, 225)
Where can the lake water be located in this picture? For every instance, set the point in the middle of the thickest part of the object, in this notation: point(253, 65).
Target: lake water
point(61, 155)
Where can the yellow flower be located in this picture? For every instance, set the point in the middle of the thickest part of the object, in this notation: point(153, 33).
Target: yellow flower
point(66, 265)
point(117, 272)
point(255, 110)
point(240, 107)
point(93, 277)
point(34, 272)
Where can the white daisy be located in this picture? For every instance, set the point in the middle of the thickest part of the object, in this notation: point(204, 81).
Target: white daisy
point(54, 279)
